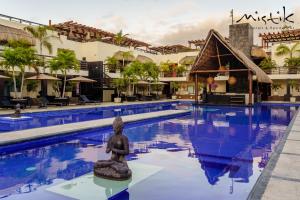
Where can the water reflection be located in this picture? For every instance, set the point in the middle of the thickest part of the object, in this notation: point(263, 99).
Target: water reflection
point(226, 149)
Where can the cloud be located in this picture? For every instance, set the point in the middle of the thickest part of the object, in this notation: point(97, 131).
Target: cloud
point(181, 33)
point(113, 23)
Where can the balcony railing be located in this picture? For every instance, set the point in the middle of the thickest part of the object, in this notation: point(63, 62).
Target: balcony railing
point(283, 70)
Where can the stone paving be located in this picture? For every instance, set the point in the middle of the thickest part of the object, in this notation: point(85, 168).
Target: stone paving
point(35, 133)
point(284, 180)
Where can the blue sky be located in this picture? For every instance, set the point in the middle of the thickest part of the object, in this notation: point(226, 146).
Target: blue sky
point(154, 21)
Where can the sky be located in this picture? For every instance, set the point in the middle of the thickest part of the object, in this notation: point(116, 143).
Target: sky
point(158, 22)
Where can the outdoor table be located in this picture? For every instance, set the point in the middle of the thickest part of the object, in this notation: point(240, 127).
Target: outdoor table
point(22, 102)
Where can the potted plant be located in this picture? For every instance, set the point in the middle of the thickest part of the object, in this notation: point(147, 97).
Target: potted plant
point(119, 84)
point(174, 87)
point(293, 85)
point(267, 65)
point(275, 87)
point(31, 87)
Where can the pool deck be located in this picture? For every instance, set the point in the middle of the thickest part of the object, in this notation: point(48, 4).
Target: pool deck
point(281, 177)
point(36, 133)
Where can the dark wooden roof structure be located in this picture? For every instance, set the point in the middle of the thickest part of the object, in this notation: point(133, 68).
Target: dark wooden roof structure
point(218, 52)
point(288, 35)
point(169, 49)
point(83, 33)
point(200, 43)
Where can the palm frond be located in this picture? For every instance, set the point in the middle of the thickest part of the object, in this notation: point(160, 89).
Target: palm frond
point(48, 46)
point(282, 49)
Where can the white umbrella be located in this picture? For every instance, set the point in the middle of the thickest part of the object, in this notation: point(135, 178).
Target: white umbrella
point(4, 77)
point(43, 77)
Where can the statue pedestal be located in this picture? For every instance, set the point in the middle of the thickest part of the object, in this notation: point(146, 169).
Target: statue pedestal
point(112, 170)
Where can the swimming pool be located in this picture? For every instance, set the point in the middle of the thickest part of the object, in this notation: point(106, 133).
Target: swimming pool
point(59, 117)
point(212, 153)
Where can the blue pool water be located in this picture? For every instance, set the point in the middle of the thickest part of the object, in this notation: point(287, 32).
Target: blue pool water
point(51, 118)
point(212, 153)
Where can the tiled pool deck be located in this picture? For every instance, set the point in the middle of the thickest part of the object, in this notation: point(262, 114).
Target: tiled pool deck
point(281, 178)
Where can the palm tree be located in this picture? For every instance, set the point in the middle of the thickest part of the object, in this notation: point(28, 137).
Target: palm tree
point(283, 49)
point(19, 54)
point(119, 37)
point(41, 34)
point(112, 63)
point(65, 61)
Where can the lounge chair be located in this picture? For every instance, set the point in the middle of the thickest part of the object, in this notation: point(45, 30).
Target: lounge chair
point(44, 102)
point(5, 103)
point(83, 99)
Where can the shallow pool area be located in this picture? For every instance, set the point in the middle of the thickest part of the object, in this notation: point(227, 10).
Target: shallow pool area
point(60, 117)
point(215, 152)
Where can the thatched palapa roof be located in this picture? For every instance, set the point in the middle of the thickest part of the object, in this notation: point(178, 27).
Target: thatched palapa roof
point(8, 33)
point(216, 47)
point(143, 59)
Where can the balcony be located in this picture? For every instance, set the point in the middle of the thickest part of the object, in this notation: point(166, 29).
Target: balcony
point(283, 70)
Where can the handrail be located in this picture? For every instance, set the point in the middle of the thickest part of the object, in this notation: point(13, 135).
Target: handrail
point(10, 18)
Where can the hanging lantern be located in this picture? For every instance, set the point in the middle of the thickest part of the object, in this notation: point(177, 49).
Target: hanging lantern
point(222, 68)
point(210, 80)
point(231, 80)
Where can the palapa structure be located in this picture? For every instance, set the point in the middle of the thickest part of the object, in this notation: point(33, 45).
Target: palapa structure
point(171, 49)
point(9, 33)
point(216, 54)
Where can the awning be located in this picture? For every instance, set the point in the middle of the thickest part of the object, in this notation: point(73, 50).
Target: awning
point(8, 33)
point(187, 60)
point(143, 59)
point(158, 83)
point(43, 77)
point(82, 79)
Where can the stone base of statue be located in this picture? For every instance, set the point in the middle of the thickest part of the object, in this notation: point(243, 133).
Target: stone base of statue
point(112, 170)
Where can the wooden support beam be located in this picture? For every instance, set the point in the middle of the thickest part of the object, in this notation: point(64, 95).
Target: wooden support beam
point(196, 89)
point(250, 87)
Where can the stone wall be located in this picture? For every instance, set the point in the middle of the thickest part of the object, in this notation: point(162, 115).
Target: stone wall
point(241, 37)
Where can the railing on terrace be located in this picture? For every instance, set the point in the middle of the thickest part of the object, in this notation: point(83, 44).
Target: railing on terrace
point(21, 21)
point(283, 70)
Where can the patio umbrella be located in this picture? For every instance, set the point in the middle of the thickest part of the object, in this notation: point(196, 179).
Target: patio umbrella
point(142, 83)
point(43, 77)
point(4, 77)
point(158, 83)
point(82, 79)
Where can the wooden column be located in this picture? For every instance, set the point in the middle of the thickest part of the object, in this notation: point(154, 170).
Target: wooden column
point(196, 88)
point(250, 87)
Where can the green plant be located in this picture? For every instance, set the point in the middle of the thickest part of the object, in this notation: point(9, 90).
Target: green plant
point(32, 85)
point(120, 37)
point(174, 87)
point(294, 84)
point(267, 63)
point(276, 86)
point(112, 63)
point(292, 62)
point(18, 54)
point(65, 61)
point(120, 85)
point(180, 69)
point(283, 49)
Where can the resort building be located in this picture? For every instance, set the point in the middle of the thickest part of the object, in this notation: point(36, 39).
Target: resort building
point(94, 46)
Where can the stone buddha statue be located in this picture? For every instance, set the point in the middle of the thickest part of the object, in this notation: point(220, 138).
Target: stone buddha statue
point(116, 168)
